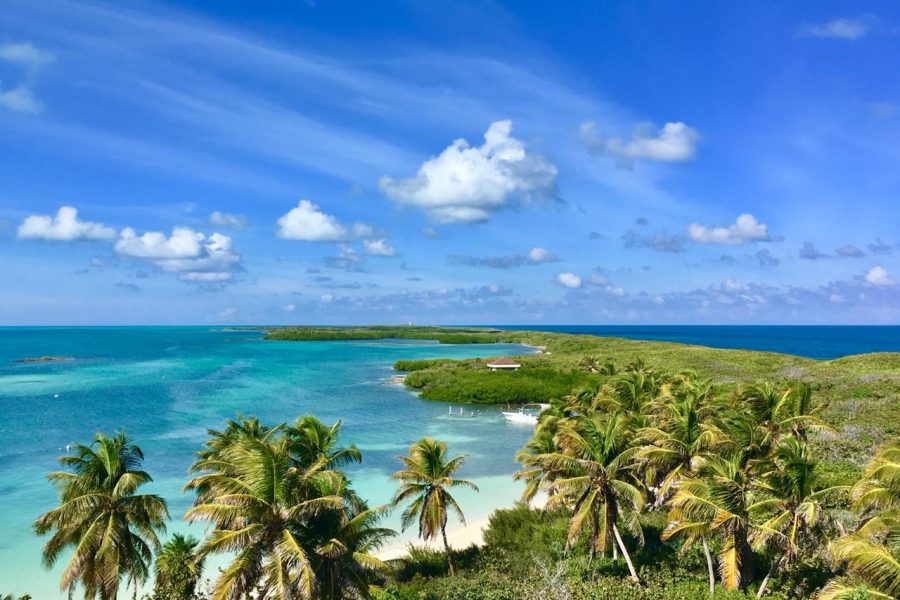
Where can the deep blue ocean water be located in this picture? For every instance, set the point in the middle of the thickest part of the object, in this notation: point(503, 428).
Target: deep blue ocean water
point(166, 385)
point(812, 341)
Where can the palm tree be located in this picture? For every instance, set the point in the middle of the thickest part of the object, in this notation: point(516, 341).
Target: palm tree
point(178, 568)
point(630, 393)
point(716, 500)
point(425, 482)
point(870, 553)
point(594, 364)
point(535, 472)
point(595, 458)
point(797, 522)
point(111, 529)
point(260, 503)
point(311, 440)
point(214, 456)
point(343, 561)
point(778, 412)
point(591, 364)
point(686, 427)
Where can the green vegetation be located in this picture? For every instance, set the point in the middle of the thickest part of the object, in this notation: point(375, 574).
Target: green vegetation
point(111, 530)
point(472, 381)
point(178, 568)
point(279, 504)
point(664, 486)
point(749, 475)
point(408, 366)
point(443, 335)
point(425, 484)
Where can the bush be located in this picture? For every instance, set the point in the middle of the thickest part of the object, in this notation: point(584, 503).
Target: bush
point(463, 382)
point(408, 366)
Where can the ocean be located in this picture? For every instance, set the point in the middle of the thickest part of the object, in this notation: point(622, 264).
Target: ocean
point(165, 386)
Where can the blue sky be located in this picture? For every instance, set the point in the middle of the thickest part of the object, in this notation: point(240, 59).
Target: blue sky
point(446, 162)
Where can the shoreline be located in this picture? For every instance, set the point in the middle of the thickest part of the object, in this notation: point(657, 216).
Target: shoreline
point(459, 537)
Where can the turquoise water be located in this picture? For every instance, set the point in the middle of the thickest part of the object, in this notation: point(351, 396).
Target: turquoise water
point(166, 386)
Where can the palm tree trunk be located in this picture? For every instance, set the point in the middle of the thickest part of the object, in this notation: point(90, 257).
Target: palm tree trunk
point(765, 581)
point(625, 553)
point(709, 566)
point(447, 548)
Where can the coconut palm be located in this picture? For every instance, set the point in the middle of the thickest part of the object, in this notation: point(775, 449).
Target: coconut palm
point(686, 427)
point(630, 393)
point(178, 568)
point(871, 553)
point(594, 364)
point(595, 460)
point(260, 503)
point(111, 529)
point(716, 500)
point(796, 523)
point(535, 472)
point(425, 484)
point(778, 412)
point(343, 561)
point(311, 440)
point(591, 364)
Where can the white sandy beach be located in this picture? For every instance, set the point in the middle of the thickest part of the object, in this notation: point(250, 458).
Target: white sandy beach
point(458, 537)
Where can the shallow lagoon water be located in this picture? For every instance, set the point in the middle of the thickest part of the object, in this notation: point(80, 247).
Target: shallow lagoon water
point(166, 386)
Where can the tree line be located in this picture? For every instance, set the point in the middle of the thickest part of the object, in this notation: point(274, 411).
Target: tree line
point(731, 470)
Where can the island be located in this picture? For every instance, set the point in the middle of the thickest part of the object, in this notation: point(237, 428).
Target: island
point(861, 392)
point(38, 359)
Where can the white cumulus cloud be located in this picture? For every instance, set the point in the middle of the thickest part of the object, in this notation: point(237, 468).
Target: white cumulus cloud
point(306, 222)
point(379, 248)
point(464, 184)
point(64, 226)
point(183, 243)
point(569, 280)
point(878, 275)
point(193, 256)
point(674, 142)
point(745, 229)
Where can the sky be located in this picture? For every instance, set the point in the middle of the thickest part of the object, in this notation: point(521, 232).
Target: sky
point(436, 162)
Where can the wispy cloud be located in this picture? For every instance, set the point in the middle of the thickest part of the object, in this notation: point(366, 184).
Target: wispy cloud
point(659, 241)
point(20, 97)
point(228, 220)
point(535, 256)
point(843, 29)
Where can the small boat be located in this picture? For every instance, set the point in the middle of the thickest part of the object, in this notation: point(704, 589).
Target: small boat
point(524, 416)
point(520, 417)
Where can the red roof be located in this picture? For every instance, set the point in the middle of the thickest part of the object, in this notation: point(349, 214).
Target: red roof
point(503, 362)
